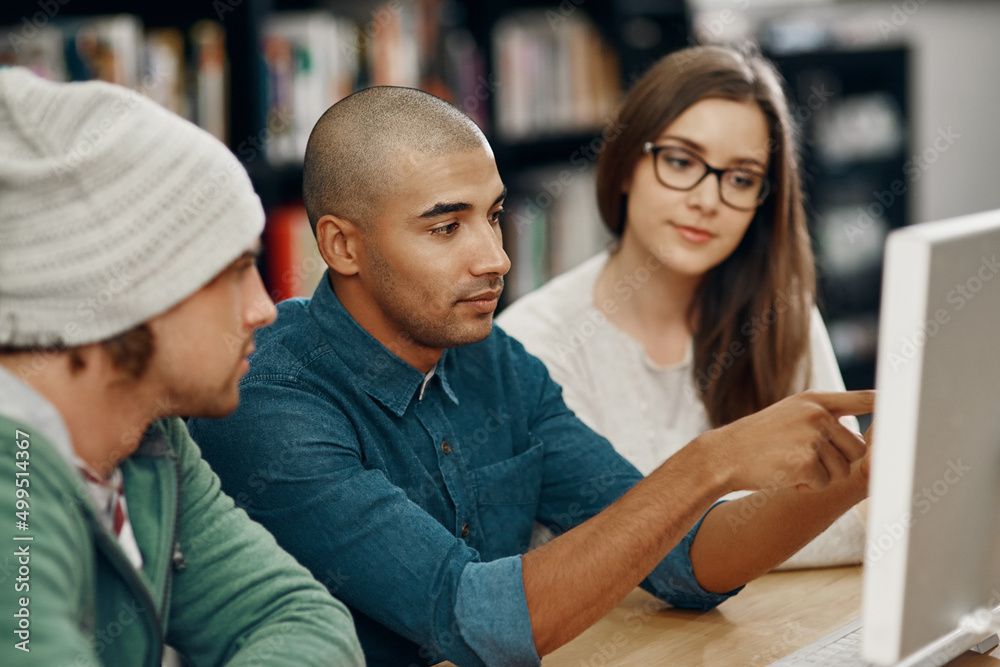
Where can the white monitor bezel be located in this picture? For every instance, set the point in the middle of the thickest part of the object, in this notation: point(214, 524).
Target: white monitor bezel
point(932, 558)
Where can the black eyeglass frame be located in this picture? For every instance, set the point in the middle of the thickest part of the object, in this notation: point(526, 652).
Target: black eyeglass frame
point(654, 150)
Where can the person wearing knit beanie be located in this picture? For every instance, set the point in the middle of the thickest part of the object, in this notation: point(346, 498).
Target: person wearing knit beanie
point(112, 210)
point(129, 294)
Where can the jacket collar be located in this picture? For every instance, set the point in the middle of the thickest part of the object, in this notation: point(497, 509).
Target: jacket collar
point(377, 370)
point(22, 403)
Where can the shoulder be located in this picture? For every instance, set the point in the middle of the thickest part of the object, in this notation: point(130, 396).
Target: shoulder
point(820, 347)
point(549, 312)
point(817, 327)
point(21, 441)
point(166, 443)
point(287, 346)
point(825, 371)
point(57, 495)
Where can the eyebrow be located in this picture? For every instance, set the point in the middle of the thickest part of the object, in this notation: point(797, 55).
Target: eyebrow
point(698, 147)
point(445, 208)
point(250, 253)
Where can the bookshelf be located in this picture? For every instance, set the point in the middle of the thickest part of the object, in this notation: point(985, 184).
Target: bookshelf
point(852, 106)
point(470, 51)
point(552, 221)
point(459, 49)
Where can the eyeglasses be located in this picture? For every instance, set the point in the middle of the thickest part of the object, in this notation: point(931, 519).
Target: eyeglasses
point(679, 169)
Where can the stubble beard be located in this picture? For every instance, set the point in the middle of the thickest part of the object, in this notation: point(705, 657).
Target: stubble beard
point(416, 328)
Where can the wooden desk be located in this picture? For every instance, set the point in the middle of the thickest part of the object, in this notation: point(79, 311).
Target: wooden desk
point(772, 617)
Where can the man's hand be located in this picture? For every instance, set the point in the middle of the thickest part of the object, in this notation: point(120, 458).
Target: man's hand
point(579, 576)
point(797, 442)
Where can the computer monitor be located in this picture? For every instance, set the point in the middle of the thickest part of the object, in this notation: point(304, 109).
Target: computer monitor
point(932, 558)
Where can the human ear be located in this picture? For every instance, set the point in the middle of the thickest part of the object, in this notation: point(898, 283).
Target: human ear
point(339, 243)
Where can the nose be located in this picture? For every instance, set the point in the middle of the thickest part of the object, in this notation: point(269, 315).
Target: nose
point(706, 195)
point(261, 310)
point(489, 256)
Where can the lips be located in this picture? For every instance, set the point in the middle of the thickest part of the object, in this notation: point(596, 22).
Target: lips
point(483, 303)
point(245, 359)
point(491, 295)
point(694, 234)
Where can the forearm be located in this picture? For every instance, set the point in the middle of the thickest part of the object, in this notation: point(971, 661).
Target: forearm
point(308, 632)
point(795, 443)
point(575, 579)
point(841, 543)
point(745, 538)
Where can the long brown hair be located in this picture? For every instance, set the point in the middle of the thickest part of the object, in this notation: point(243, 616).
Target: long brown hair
point(751, 313)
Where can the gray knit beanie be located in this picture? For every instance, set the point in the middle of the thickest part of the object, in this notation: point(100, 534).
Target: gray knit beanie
point(112, 210)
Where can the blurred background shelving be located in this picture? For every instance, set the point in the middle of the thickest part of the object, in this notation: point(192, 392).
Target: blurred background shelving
point(851, 106)
point(895, 105)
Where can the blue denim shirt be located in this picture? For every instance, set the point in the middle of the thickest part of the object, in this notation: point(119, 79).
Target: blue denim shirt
point(411, 498)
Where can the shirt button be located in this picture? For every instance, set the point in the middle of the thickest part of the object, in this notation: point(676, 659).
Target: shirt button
point(465, 530)
point(445, 447)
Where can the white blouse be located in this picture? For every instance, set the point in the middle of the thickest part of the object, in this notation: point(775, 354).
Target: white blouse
point(647, 411)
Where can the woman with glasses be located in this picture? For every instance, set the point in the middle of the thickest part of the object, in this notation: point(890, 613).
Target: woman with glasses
point(704, 309)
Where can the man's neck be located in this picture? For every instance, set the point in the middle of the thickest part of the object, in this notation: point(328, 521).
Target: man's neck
point(368, 315)
point(105, 414)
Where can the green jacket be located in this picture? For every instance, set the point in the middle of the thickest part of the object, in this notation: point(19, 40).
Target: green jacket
point(214, 584)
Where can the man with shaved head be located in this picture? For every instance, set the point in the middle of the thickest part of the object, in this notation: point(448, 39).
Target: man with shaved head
point(351, 158)
point(402, 448)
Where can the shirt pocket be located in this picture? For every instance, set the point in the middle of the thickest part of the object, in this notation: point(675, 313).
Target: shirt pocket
point(515, 481)
point(507, 495)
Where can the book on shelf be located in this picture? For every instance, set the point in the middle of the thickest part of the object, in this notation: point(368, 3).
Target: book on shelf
point(315, 58)
point(211, 83)
point(43, 53)
point(294, 265)
point(450, 63)
point(551, 225)
point(559, 77)
point(108, 48)
point(312, 62)
point(525, 242)
point(98, 47)
point(576, 231)
point(164, 50)
point(464, 72)
point(116, 48)
point(393, 46)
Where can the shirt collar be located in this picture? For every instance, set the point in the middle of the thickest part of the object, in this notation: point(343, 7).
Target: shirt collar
point(383, 376)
